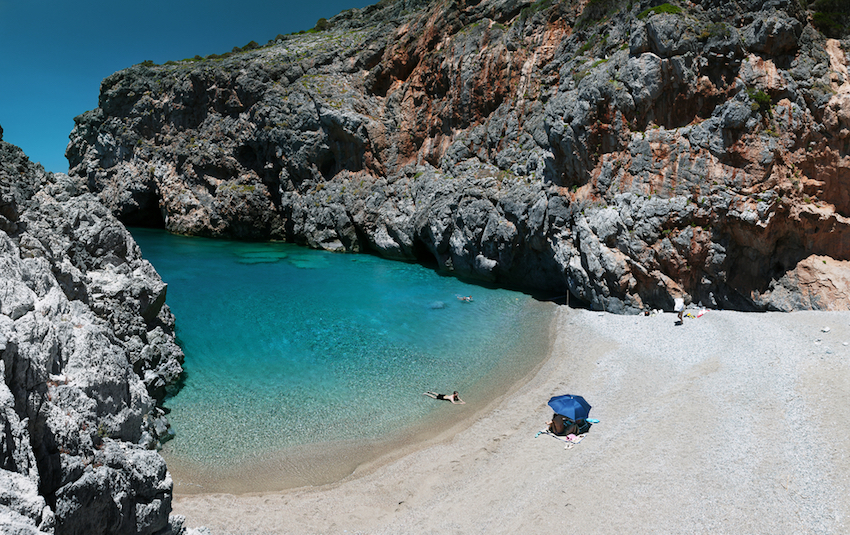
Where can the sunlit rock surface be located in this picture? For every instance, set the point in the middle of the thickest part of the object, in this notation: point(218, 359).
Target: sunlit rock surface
point(622, 154)
point(88, 351)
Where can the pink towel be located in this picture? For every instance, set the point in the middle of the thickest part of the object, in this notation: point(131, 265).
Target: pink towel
point(571, 437)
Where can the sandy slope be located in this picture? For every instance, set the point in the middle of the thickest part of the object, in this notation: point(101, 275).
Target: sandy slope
point(731, 423)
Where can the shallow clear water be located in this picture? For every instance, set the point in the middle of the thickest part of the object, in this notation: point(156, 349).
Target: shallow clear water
point(287, 346)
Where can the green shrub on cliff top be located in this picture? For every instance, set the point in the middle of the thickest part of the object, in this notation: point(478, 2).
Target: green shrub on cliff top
point(322, 24)
point(831, 17)
point(657, 10)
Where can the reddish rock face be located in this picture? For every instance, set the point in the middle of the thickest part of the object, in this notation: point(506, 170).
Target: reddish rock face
point(624, 155)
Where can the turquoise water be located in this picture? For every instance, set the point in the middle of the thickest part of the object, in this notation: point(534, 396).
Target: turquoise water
point(287, 346)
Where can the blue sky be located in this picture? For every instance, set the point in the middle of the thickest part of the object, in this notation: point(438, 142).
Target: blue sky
point(55, 53)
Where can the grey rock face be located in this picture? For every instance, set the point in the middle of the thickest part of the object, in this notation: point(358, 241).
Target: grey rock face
point(552, 147)
point(87, 348)
point(774, 34)
point(22, 510)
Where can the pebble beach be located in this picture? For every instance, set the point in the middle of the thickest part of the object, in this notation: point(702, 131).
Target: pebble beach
point(729, 423)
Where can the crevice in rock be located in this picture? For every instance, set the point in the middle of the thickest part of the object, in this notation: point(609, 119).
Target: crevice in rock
point(423, 255)
point(327, 165)
point(149, 215)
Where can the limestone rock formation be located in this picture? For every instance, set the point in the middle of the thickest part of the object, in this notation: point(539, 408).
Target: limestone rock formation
point(87, 351)
point(624, 152)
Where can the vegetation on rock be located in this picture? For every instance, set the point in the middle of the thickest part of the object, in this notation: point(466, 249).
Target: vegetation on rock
point(638, 150)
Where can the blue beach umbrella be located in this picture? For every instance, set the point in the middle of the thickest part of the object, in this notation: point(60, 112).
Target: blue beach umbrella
point(573, 407)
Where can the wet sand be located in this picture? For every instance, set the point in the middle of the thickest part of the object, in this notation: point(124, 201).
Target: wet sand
point(730, 423)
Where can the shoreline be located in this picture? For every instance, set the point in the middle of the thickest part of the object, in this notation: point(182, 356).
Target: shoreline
point(734, 422)
point(329, 463)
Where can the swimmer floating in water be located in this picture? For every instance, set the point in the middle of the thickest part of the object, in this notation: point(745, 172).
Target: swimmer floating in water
point(465, 298)
point(454, 398)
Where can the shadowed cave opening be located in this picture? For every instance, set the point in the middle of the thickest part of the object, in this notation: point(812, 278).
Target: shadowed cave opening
point(148, 215)
point(423, 255)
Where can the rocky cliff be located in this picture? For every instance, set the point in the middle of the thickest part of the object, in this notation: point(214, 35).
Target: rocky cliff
point(87, 351)
point(624, 152)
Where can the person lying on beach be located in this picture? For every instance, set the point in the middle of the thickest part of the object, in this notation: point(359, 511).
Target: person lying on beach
point(561, 425)
point(454, 398)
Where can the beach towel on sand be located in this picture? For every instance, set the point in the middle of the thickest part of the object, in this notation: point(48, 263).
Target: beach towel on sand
point(570, 439)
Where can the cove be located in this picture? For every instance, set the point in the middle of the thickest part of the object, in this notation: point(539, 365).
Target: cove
point(302, 365)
